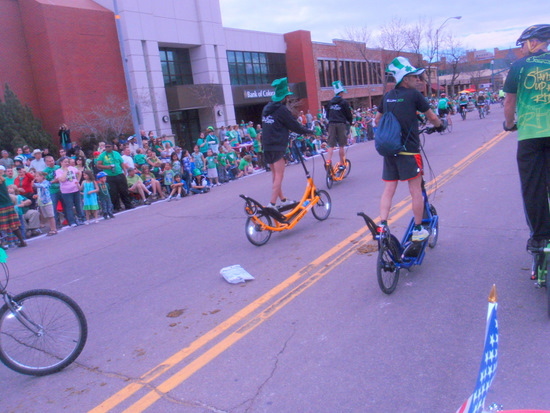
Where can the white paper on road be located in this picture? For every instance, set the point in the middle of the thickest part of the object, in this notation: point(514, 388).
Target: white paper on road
point(235, 274)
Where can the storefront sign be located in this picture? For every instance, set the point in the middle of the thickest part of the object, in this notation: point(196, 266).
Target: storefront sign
point(258, 93)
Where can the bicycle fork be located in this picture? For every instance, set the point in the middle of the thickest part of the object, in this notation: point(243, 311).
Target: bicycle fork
point(17, 311)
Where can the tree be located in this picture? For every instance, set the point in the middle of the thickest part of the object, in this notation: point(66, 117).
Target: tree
point(455, 55)
point(19, 127)
point(106, 121)
point(392, 40)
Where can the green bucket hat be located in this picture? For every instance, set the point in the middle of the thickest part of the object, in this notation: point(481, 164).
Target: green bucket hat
point(338, 87)
point(281, 89)
point(401, 67)
point(196, 172)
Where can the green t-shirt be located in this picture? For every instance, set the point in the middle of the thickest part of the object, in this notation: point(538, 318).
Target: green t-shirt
point(443, 103)
point(243, 164)
point(211, 162)
point(231, 157)
point(222, 159)
point(112, 158)
point(256, 145)
point(132, 180)
point(529, 79)
point(50, 176)
point(140, 159)
point(203, 149)
point(252, 132)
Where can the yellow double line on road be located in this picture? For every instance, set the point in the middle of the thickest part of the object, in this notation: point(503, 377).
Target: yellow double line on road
point(296, 284)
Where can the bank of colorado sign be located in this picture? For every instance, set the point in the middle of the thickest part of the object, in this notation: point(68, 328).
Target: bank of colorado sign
point(258, 93)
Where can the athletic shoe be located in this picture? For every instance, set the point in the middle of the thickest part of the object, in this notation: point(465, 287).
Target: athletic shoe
point(341, 167)
point(73, 225)
point(272, 206)
point(86, 223)
point(168, 199)
point(420, 235)
point(287, 202)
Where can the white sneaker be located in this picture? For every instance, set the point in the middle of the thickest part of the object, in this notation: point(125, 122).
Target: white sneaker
point(287, 202)
point(168, 199)
point(420, 235)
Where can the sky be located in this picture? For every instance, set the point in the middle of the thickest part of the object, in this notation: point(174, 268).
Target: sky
point(484, 24)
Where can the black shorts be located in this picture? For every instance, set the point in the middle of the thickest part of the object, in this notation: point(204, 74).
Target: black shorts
point(270, 157)
point(443, 112)
point(337, 133)
point(402, 167)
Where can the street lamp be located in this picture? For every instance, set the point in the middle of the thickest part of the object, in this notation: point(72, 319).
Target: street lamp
point(437, 48)
point(493, 75)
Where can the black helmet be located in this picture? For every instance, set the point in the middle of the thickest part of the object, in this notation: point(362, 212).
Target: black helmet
point(537, 31)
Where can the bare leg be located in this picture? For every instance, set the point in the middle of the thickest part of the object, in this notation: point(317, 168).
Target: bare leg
point(342, 155)
point(386, 199)
point(278, 171)
point(415, 188)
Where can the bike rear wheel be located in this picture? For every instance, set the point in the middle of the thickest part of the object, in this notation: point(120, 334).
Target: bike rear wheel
point(321, 210)
point(254, 231)
point(329, 179)
point(432, 242)
point(53, 338)
point(387, 271)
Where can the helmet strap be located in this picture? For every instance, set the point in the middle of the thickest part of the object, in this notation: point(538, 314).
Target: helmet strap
point(535, 47)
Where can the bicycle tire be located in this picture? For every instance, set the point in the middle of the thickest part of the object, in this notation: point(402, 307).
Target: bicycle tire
point(329, 179)
point(254, 233)
point(348, 168)
point(387, 271)
point(463, 114)
point(449, 127)
point(64, 331)
point(321, 210)
point(432, 241)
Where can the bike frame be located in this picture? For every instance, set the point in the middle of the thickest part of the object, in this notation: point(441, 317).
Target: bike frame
point(288, 220)
point(333, 171)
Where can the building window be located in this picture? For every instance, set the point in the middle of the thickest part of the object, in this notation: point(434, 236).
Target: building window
point(249, 68)
point(322, 79)
point(176, 66)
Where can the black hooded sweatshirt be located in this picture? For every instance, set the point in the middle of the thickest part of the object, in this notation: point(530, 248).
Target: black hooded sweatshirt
point(338, 110)
point(277, 120)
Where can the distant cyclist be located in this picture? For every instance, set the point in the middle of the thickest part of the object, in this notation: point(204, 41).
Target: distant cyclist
point(339, 120)
point(526, 90)
point(405, 100)
point(444, 107)
point(463, 103)
point(480, 102)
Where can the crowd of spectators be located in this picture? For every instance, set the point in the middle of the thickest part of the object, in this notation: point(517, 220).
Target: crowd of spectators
point(121, 175)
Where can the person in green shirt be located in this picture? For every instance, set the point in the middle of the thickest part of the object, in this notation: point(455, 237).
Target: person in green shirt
point(140, 158)
point(212, 140)
point(526, 88)
point(113, 165)
point(136, 186)
point(55, 192)
point(202, 144)
point(222, 166)
point(251, 130)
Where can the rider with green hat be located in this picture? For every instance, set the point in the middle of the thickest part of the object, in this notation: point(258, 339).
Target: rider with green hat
point(277, 120)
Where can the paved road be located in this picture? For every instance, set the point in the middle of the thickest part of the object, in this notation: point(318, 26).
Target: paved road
point(312, 332)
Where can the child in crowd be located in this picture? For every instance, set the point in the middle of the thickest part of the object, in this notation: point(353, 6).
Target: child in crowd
point(198, 184)
point(244, 166)
point(212, 170)
point(19, 202)
point(90, 190)
point(140, 159)
point(177, 189)
point(45, 206)
point(168, 176)
point(151, 183)
point(103, 196)
point(222, 166)
point(198, 158)
point(176, 164)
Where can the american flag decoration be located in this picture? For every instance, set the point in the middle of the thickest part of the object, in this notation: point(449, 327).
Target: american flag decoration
point(488, 367)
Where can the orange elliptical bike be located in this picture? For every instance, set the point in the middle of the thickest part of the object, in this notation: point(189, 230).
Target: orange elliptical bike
point(334, 173)
point(262, 221)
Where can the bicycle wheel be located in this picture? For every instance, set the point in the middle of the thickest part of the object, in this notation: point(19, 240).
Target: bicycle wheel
point(348, 168)
point(329, 180)
point(387, 271)
point(463, 114)
point(432, 242)
point(254, 232)
point(449, 127)
point(60, 335)
point(321, 210)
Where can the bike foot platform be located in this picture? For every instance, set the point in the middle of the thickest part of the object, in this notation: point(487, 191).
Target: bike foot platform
point(413, 249)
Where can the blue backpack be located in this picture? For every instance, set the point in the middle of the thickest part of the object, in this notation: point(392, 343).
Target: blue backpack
point(388, 138)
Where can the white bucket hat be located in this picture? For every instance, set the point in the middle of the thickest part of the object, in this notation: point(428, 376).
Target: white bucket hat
point(401, 67)
point(338, 87)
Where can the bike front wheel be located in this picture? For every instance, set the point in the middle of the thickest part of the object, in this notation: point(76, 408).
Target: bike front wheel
point(47, 334)
point(321, 210)
point(255, 232)
point(348, 168)
point(387, 271)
